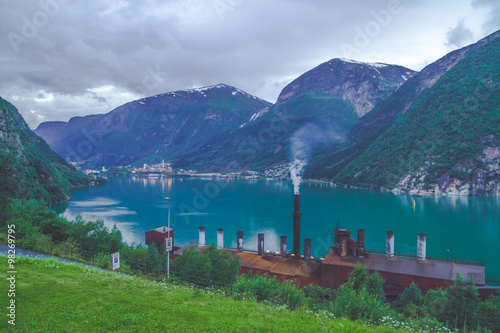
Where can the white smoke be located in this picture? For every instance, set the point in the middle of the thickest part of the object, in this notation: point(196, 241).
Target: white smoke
point(303, 141)
point(295, 173)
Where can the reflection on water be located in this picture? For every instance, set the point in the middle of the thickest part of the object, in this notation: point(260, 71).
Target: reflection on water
point(101, 201)
point(469, 227)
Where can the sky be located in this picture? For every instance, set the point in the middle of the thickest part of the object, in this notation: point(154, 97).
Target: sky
point(66, 58)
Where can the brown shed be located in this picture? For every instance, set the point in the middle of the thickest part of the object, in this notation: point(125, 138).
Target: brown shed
point(159, 235)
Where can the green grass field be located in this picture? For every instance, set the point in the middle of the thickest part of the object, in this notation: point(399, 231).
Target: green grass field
point(56, 297)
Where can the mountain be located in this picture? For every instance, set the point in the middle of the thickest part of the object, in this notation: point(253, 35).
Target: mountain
point(329, 162)
point(28, 167)
point(316, 109)
point(49, 130)
point(153, 129)
point(441, 130)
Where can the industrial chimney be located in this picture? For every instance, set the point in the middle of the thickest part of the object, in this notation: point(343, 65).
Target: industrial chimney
point(296, 225)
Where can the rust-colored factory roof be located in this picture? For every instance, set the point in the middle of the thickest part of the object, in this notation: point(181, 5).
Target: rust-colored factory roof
point(441, 270)
point(276, 265)
point(273, 264)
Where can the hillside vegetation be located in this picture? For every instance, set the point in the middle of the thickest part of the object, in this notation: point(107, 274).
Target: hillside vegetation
point(360, 298)
point(28, 167)
point(444, 137)
point(56, 297)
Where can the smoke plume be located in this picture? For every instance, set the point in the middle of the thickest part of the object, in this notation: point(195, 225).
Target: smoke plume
point(303, 141)
point(295, 172)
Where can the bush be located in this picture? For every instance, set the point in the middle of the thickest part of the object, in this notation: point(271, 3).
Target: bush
point(137, 257)
point(373, 282)
point(319, 298)
point(290, 295)
point(103, 260)
point(489, 313)
point(358, 304)
point(225, 267)
point(361, 297)
point(156, 265)
point(268, 289)
point(434, 304)
point(262, 287)
point(213, 267)
point(32, 217)
point(409, 302)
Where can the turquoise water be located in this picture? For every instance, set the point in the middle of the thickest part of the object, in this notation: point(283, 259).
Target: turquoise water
point(469, 227)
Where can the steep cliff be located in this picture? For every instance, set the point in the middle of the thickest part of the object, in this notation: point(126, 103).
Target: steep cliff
point(28, 167)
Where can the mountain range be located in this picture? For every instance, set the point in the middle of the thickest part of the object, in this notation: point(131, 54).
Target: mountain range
point(161, 127)
point(368, 125)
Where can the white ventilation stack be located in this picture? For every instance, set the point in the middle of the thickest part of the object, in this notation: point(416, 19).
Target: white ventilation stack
point(389, 244)
point(201, 240)
point(220, 239)
point(421, 246)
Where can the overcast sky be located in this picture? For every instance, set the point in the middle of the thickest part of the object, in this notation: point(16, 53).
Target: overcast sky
point(65, 58)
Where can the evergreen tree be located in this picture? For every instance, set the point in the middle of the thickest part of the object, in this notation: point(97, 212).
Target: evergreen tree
point(155, 258)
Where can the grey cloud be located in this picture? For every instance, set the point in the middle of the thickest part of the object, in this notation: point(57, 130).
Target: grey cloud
point(459, 36)
point(492, 23)
point(143, 48)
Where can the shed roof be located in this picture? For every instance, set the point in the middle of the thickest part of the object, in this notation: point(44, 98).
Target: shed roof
point(441, 270)
point(162, 230)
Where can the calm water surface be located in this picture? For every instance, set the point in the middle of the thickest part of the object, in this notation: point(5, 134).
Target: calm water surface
point(467, 226)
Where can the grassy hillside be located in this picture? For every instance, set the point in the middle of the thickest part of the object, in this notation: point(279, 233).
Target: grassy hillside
point(56, 297)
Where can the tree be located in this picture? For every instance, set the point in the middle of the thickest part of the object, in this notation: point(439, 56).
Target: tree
point(361, 297)
point(212, 267)
point(489, 313)
point(374, 283)
point(409, 302)
point(319, 298)
point(155, 259)
point(434, 304)
point(193, 267)
point(462, 304)
point(225, 267)
point(137, 256)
